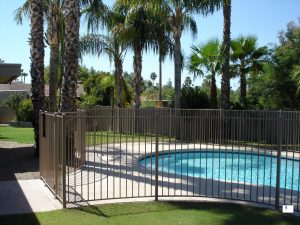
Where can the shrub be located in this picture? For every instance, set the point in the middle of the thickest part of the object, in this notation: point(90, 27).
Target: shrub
point(14, 102)
point(194, 98)
point(25, 112)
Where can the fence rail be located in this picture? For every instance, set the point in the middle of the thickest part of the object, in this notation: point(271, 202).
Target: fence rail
point(112, 153)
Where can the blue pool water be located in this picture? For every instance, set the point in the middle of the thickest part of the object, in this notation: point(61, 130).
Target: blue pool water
point(227, 166)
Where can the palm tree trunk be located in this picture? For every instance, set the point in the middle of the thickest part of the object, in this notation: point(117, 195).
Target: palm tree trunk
point(243, 88)
point(137, 67)
point(54, 61)
point(61, 69)
point(213, 92)
point(69, 86)
point(160, 81)
point(54, 55)
point(225, 83)
point(118, 79)
point(37, 64)
point(177, 67)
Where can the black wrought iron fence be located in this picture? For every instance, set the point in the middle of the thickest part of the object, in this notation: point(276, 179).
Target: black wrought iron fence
point(112, 153)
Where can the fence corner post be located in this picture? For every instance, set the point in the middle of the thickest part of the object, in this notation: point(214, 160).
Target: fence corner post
point(63, 162)
point(278, 168)
point(156, 155)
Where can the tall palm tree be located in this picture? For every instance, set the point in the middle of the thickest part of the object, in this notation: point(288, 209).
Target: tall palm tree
point(69, 86)
point(37, 63)
point(110, 44)
point(54, 40)
point(180, 17)
point(164, 47)
point(54, 37)
point(246, 57)
point(225, 83)
point(137, 31)
point(53, 13)
point(206, 61)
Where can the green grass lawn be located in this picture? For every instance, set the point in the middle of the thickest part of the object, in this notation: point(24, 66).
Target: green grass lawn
point(152, 213)
point(17, 134)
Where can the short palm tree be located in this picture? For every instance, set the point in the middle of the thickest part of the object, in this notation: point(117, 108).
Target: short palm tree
point(37, 63)
point(206, 61)
point(246, 58)
point(225, 82)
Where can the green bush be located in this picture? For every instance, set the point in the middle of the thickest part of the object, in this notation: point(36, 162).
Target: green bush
point(14, 102)
point(25, 111)
point(194, 98)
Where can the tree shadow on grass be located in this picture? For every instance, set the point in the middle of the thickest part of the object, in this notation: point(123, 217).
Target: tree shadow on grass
point(236, 214)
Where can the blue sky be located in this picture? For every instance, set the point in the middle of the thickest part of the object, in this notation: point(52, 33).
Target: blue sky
point(263, 18)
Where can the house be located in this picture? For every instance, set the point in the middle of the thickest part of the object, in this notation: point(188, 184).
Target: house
point(8, 73)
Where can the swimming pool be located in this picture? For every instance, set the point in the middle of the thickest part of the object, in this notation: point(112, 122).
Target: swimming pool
point(255, 169)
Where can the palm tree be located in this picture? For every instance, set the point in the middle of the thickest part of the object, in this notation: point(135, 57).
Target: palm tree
point(246, 58)
point(97, 44)
point(164, 47)
point(54, 38)
point(37, 64)
point(180, 17)
point(153, 77)
point(225, 83)
point(71, 39)
point(110, 44)
point(206, 61)
point(137, 31)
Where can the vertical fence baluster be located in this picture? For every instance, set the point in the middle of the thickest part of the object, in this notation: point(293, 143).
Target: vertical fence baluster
point(279, 136)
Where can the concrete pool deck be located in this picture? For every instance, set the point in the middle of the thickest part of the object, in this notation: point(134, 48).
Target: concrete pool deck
point(112, 171)
point(26, 196)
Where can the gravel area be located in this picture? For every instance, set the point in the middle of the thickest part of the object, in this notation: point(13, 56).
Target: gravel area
point(18, 162)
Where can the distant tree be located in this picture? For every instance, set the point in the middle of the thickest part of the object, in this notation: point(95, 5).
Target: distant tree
point(2, 61)
point(23, 75)
point(153, 77)
point(188, 81)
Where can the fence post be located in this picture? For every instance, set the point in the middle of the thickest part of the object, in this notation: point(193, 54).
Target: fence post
point(279, 137)
point(156, 155)
point(63, 152)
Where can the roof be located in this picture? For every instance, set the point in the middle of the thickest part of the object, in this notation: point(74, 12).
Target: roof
point(16, 86)
point(9, 72)
point(20, 86)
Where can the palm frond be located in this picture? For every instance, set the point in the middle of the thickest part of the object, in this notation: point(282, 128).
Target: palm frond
point(21, 12)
